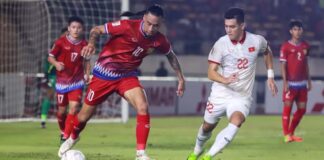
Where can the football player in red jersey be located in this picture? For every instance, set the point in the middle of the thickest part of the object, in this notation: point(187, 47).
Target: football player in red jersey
point(296, 79)
point(72, 72)
point(116, 70)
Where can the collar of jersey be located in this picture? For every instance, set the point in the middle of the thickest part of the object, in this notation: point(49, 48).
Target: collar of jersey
point(240, 41)
point(75, 42)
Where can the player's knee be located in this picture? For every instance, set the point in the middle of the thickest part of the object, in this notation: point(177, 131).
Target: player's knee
point(208, 127)
point(142, 108)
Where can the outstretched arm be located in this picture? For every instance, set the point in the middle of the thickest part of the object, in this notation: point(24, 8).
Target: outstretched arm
point(94, 34)
point(173, 60)
point(269, 64)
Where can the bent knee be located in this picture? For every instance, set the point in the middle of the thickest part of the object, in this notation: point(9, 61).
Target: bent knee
point(142, 108)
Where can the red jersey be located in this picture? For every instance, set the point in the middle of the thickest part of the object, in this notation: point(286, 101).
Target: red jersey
point(295, 57)
point(126, 48)
point(67, 51)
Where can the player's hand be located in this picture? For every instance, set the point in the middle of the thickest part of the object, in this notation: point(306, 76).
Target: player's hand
point(272, 86)
point(59, 66)
point(181, 88)
point(88, 50)
point(232, 78)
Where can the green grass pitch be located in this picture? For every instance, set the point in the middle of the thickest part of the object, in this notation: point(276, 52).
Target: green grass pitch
point(171, 138)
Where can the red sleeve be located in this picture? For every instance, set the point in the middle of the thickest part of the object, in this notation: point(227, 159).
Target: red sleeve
point(165, 46)
point(283, 53)
point(56, 49)
point(116, 28)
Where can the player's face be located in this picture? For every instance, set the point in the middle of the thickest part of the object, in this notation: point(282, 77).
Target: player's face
point(296, 32)
point(151, 24)
point(234, 29)
point(75, 30)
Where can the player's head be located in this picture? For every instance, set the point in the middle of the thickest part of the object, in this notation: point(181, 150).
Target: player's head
point(152, 20)
point(234, 23)
point(296, 29)
point(75, 27)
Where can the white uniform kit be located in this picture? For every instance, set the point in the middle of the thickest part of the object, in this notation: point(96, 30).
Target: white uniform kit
point(234, 57)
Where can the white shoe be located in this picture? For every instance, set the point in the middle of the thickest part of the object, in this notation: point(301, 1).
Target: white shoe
point(142, 157)
point(67, 145)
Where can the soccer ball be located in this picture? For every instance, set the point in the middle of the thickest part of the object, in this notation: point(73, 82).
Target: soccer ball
point(73, 155)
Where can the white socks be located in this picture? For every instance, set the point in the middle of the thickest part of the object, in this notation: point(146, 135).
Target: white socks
point(223, 138)
point(202, 137)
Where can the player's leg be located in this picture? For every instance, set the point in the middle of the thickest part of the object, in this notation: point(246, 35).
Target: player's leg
point(236, 111)
point(288, 98)
point(97, 92)
point(62, 102)
point(131, 89)
point(45, 106)
point(299, 113)
point(74, 103)
point(137, 98)
point(212, 115)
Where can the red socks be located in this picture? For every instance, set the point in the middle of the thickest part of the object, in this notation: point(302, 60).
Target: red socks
point(68, 125)
point(61, 121)
point(298, 115)
point(77, 127)
point(142, 131)
point(286, 119)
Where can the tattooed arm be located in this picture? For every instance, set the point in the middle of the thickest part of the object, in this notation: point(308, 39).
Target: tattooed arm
point(173, 60)
point(91, 47)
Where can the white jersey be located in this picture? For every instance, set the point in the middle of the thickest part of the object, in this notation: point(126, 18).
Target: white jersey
point(236, 57)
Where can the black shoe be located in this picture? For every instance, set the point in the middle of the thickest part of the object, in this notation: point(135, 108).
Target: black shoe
point(62, 139)
point(43, 124)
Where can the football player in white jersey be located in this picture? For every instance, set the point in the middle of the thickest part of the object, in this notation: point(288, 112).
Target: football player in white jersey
point(232, 63)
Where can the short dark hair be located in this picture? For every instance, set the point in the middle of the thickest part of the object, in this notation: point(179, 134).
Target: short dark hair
point(295, 23)
point(155, 10)
point(235, 13)
point(75, 19)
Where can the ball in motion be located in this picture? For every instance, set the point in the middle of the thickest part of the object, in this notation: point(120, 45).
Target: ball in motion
point(73, 155)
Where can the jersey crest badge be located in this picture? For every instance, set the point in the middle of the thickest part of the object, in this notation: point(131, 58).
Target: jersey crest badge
point(251, 49)
point(150, 50)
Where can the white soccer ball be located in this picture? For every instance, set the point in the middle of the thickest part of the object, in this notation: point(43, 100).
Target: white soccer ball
point(73, 155)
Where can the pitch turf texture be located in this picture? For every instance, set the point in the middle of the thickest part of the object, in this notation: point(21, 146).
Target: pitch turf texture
point(171, 138)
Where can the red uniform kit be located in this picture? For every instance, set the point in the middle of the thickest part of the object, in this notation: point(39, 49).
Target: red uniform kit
point(116, 67)
point(69, 81)
point(295, 57)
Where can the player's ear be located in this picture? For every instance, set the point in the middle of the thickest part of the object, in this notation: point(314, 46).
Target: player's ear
point(243, 25)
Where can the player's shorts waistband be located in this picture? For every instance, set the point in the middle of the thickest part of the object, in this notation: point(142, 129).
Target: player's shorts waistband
point(297, 84)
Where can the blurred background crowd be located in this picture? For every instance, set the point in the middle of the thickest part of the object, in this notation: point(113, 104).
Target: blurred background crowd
point(193, 26)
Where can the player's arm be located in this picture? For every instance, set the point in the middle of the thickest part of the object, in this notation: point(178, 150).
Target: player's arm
point(309, 85)
point(56, 49)
point(94, 34)
point(173, 60)
point(268, 59)
point(87, 68)
point(283, 66)
point(215, 76)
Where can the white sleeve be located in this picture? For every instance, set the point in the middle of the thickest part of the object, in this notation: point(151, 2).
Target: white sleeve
point(215, 55)
point(263, 44)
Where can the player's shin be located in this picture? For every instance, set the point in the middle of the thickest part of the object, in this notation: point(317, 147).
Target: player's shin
point(286, 119)
point(78, 126)
point(223, 139)
point(142, 131)
point(298, 115)
point(201, 139)
point(68, 126)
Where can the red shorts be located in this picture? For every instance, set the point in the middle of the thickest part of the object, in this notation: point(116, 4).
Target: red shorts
point(99, 89)
point(64, 98)
point(298, 95)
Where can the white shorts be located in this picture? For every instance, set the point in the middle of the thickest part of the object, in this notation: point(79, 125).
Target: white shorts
point(218, 107)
